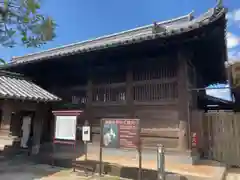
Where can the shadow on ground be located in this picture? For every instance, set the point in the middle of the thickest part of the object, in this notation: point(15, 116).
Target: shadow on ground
point(122, 171)
point(21, 165)
point(63, 157)
point(19, 168)
point(46, 152)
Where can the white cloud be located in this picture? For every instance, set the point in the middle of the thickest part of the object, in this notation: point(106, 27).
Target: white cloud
point(237, 15)
point(233, 56)
point(232, 40)
point(234, 17)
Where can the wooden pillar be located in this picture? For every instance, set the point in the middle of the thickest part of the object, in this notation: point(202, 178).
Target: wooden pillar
point(129, 93)
point(40, 115)
point(89, 110)
point(183, 103)
point(195, 93)
point(89, 93)
point(6, 117)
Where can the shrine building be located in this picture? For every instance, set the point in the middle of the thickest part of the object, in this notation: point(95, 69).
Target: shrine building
point(150, 72)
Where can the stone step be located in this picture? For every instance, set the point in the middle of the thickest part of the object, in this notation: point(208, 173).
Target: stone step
point(153, 142)
point(8, 141)
point(10, 151)
point(9, 145)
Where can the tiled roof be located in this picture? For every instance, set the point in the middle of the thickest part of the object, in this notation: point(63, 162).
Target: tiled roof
point(167, 28)
point(16, 87)
point(216, 99)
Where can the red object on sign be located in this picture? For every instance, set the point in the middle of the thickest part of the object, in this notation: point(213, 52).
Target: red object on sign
point(194, 139)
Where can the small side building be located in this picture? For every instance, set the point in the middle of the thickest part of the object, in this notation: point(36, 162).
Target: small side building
point(19, 97)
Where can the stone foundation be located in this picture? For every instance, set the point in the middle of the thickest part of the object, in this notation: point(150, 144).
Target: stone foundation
point(64, 154)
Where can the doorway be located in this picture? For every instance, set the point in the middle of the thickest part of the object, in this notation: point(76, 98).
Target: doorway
point(26, 128)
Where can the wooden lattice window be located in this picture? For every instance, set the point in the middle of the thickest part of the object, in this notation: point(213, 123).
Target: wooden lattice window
point(109, 94)
point(155, 91)
point(155, 83)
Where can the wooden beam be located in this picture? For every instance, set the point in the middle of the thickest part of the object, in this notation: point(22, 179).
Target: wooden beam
point(130, 93)
point(183, 101)
point(89, 93)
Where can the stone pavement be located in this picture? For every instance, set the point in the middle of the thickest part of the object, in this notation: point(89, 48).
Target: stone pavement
point(204, 170)
point(17, 169)
point(20, 169)
point(233, 174)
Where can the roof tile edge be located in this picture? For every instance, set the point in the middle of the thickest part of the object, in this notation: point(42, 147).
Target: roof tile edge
point(140, 33)
point(188, 16)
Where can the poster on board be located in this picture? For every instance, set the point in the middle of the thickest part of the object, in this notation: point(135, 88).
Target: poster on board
point(120, 133)
point(117, 133)
point(65, 128)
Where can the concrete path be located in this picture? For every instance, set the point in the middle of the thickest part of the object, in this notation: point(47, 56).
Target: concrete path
point(204, 170)
point(17, 169)
point(233, 174)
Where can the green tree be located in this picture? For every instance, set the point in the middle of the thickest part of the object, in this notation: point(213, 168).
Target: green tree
point(21, 23)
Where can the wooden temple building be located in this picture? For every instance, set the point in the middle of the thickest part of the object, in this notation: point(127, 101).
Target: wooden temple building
point(151, 72)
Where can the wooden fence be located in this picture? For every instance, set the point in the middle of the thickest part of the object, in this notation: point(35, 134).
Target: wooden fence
point(222, 131)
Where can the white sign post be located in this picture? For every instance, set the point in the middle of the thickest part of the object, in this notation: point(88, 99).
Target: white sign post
point(86, 137)
point(86, 133)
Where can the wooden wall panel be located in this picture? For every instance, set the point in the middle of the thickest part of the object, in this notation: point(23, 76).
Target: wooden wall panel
point(153, 142)
point(108, 112)
point(157, 122)
point(159, 125)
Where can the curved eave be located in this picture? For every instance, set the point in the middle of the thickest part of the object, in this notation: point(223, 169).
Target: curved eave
point(19, 88)
point(171, 28)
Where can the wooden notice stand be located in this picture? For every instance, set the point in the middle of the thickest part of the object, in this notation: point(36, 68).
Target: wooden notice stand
point(65, 125)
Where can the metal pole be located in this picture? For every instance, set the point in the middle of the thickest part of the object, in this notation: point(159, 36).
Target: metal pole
point(101, 144)
point(161, 162)
point(86, 123)
point(86, 149)
point(139, 163)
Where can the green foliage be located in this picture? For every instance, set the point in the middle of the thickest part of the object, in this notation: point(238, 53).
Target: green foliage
point(21, 22)
point(2, 61)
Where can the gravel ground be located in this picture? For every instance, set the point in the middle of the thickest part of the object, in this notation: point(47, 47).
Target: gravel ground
point(18, 169)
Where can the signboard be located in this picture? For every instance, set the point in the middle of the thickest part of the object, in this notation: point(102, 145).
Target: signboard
point(117, 133)
point(86, 133)
point(65, 128)
point(121, 133)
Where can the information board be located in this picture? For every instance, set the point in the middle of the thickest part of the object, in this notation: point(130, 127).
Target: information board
point(117, 133)
point(65, 128)
point(86, 133)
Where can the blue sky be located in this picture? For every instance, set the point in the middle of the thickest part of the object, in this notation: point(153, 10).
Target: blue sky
point(83, 19)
